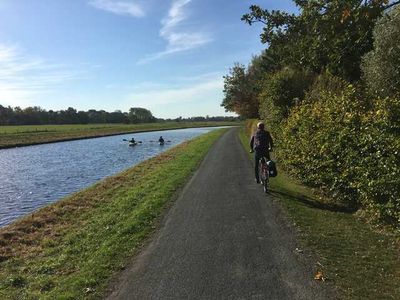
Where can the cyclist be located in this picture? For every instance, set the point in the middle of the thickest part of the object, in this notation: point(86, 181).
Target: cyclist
point(261, 144)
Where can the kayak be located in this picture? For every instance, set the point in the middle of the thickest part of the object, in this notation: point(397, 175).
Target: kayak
point(132, 144)
point(162, 143)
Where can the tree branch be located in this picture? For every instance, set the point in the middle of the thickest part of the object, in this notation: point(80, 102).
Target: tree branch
point(392, 4)
point(259, 21)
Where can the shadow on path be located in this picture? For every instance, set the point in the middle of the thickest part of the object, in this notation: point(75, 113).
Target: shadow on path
point(310, 202)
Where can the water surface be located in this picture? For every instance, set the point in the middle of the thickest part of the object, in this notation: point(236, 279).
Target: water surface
point(33, 176)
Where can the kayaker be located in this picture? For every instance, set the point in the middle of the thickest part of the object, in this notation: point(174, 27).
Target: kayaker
point(161, 140)
point(132, 141)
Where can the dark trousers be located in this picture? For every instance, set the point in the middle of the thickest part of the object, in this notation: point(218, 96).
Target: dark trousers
point(257, 156)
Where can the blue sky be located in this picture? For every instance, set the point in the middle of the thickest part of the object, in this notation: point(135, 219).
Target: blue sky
point(165, 55)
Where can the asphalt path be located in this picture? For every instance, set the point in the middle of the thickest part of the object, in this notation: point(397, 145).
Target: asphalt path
point(224, 238)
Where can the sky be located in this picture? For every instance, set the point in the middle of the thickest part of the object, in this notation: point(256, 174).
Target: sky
point(168, 56)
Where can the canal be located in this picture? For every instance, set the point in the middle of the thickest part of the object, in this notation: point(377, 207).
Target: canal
point(34, 176)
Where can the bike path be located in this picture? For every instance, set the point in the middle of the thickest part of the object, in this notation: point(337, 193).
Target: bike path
point(222, 239)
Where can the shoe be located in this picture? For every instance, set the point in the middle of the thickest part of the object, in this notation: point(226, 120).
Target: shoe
point(258, 181)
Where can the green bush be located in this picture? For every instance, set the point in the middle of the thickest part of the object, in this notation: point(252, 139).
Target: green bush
point(381, 66)
point(348, 148)
point(379, 176)
point(280, 92)
point(325, 82)
point(317, 143)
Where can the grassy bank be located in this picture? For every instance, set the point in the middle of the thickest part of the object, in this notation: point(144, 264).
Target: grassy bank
point(69, 250)
point(13, 136)
point(363, 263)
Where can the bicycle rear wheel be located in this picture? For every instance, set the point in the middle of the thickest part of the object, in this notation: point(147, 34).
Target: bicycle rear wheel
point(266, 186)
point(263, 173)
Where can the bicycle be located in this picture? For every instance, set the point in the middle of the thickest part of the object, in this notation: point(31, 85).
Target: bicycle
point(263, 173)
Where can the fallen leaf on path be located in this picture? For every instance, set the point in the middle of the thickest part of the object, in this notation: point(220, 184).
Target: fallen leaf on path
point(319, 276)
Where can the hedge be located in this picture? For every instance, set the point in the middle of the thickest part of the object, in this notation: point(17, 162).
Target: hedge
point(349, 148)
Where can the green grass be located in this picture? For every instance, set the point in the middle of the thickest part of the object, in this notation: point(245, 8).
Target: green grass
point(360, 261)
point(13, 136)
point(70, 250)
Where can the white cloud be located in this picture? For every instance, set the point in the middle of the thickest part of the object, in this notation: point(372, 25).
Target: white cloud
point(157, 96)
point(24, 78)
point(178, 37)
point(119, 7)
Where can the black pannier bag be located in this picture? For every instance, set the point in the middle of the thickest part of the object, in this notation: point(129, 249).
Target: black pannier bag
point(273, 172)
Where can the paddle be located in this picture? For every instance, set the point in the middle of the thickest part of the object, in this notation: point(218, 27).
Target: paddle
point(138, 142)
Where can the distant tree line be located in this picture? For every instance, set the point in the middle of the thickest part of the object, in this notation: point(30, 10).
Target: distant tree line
point(204, 119)
point(38, 116)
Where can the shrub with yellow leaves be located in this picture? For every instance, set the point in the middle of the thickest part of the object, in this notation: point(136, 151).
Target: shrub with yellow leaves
point(349, 147)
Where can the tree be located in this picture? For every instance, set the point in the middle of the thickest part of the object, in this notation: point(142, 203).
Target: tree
point(118, 117)
point(6, 115)
point(381, 66)
point(140, 115)
point(325, 35)
point(240, 90)
point(68, 116)
point(33, 115)
point(281, 91)
point(83, 117)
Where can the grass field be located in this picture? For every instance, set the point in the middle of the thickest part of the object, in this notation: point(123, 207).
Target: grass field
point(361, 262)
point(70, 250)
point(15, 136)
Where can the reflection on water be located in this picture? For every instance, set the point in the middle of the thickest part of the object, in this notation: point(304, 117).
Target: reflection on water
point(31, 177)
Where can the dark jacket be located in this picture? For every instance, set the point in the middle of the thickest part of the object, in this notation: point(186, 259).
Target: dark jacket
point(261, 141)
